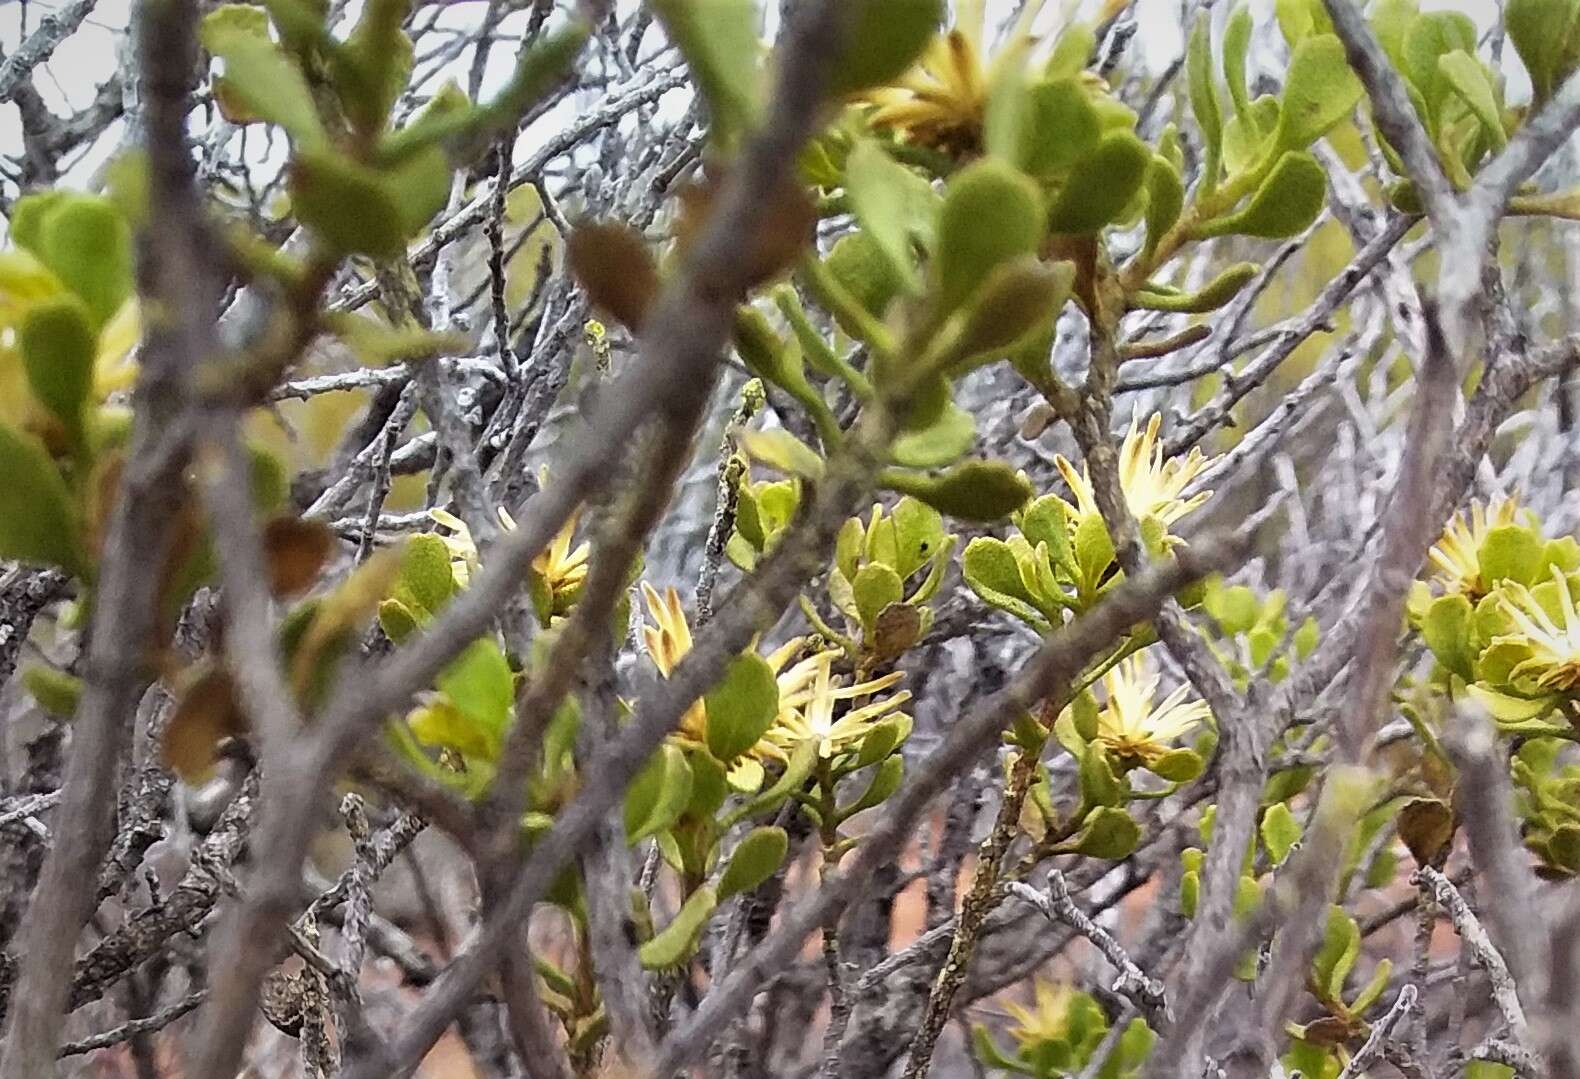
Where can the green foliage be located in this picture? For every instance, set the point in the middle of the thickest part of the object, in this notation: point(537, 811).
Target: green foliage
point(1060, 1034)
point(719, 40)
point(741, 707)
point(37, 518)
point(991, 213)
point(756, 858)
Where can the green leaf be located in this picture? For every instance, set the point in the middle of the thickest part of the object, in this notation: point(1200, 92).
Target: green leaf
point(1101, 185)
point(1510, 711)
point(56, 691)
point(1431, 36)
point(1391, 21)
point(741, 707)
point(1072, 50)
point(1446, 630)
point(945, 440)
point(419, 187)
point(397, 621)
point(1107, 833)
point(991, 214)
point(1280, 832)
point(781, 450)
point(1213, 295)
point(1298, 19)
point(1373, 989)
point(1165, 199)
point(1511, 552)
point(479, 683)
point(448, 113)
point(1288, 201)
point(988, 1052)
point(1236, 45)
point(1099, 785)
point(84, 241)
point(1468, 78)
point(1341, 944)
point(1061, 127)
point(658, 795)
point(1204, 96)
point(1233, 607)
point(894, 206)
point(1541, 31)
point(883, 38)
point(58, 351)
point(1320, 90)
point(971, 490)
point(229, 22)
point(918, 536)
point(37, 524)
point(1306, 637)
point(989, 569)
point(885, 781)
point(757, 857)
point(719, 40)
point(374, 65)
point(676, 942)
point(883, 739)
point(1019, 298)
point(260, 77)
point(426, 580)
point(347, 205)
point(1094, 548)
point(802, 761)
point(875, 587)
point(1177, 765)
point(865, 270)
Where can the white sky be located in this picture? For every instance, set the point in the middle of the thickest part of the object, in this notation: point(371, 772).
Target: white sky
point(86, 58)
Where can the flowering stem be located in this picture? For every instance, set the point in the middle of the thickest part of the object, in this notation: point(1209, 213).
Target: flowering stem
point(984, 896)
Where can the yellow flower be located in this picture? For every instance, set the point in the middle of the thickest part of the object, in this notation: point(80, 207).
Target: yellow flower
point(1153, 486)
point(1048, 1018)
point(463, 548)
point(668, 639)
point(942, 101)
point(561, 567)
point(1554, 663)
point(1457, 554)
point(25, 282)
point(809, 696)
point(1131, 726)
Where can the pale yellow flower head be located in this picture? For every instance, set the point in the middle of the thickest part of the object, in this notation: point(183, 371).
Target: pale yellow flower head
point(562, 566)
point(1457, 554)
point(1131, 725)
point(1153, 487)
point(464, 560)
point(942, 101)
point(808, 697)
point(1554, 642)
point(667, 640)
point(1048, 1018)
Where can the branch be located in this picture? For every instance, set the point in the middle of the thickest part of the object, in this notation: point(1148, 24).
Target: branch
point(183, 281)
point(1395, 115)
point(1064, 653)
point(1468, 926)
point(1377, 1041)
point(690, 324)
point(40, 45)
point(1133, 983)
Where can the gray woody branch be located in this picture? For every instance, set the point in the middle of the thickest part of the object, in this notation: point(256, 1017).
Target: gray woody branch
point(1133, 983)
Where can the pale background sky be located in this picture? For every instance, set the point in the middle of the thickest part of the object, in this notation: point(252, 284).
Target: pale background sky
point(85, 59)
